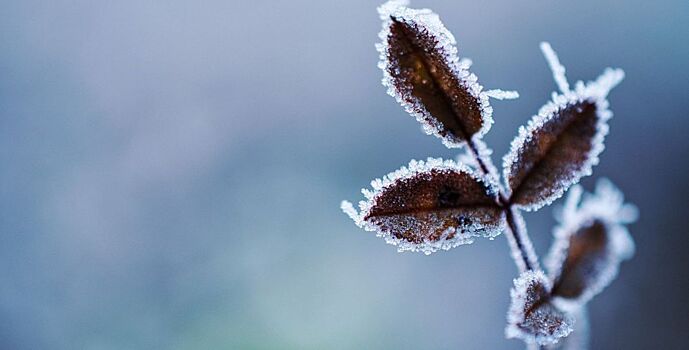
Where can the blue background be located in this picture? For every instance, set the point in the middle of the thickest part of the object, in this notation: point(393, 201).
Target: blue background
point(171, 174)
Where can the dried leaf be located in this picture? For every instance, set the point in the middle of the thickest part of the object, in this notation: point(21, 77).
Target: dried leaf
point(590, 243)
point(422, 71)
point(429, 206)
point(586, 259)
point(532, 316)
point(562, 143)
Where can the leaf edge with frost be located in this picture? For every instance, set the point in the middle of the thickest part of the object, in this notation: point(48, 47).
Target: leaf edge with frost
point(459, 68)
point(594, 92)
point(519, 311)
point(414, 169)
point(606, 204)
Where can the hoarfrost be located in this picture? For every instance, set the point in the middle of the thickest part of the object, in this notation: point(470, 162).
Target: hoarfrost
point(590, 242)
point(483, 152)
point(579, 338)
point(562, 142)
point(428, 206)
point(467, 158)
point(422, 71)
point(526, 248)
point(387, 9)
point(502, 94)
point(532, 316)
point(555, 66)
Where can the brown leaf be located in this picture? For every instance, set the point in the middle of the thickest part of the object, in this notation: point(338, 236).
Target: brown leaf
point(590, 243)
point(562, 143)
point(419, 59)
point(532, 316)
point(555, 152)
point(431, 205)
point(586, 259)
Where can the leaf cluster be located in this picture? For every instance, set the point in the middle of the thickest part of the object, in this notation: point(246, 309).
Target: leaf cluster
point(439, 204)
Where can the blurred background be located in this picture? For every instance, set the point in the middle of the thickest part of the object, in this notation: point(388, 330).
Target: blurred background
point(172, 172)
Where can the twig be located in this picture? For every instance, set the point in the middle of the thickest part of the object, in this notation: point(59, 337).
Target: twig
point(518, 238)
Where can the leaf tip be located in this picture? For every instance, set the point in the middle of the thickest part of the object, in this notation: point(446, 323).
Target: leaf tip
point(388, 8)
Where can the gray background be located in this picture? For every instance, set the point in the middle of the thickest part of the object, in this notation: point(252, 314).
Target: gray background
point(172, 171)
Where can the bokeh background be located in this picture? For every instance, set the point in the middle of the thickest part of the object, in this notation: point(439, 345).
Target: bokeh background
point(171, 173)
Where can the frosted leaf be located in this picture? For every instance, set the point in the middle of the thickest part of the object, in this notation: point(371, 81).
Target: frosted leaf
point(429, 206)
point(590, 242)
point(422, 71)
point(532, 316)
point(562, 143)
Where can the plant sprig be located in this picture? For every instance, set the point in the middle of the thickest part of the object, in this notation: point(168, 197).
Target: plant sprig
point(440, 204)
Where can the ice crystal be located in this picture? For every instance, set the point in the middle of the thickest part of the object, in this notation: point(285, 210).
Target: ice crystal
point(562, 142)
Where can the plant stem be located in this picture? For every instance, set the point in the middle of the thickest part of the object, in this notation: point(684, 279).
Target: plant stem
point(518, 238)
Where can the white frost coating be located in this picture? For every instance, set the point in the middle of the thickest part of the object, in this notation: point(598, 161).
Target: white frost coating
point(502, 94)
point(607, 205)
point(610, 78)
point(555, 66)
point(387, 9)
point(527, 246)
point(412, 170)
point(595, 92)
point(522, 300)
point(467, 158)
point(484, 153)
point(465, 63)
point(579, 338)
point(446, 46)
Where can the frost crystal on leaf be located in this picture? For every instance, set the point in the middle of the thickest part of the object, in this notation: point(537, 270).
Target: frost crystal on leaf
point(422, 71)
point(436, 204)
point(532, 316)
point(429, 206)
point(579, 338)
point(502, 94)
point(562, 143)
point(590, 242)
